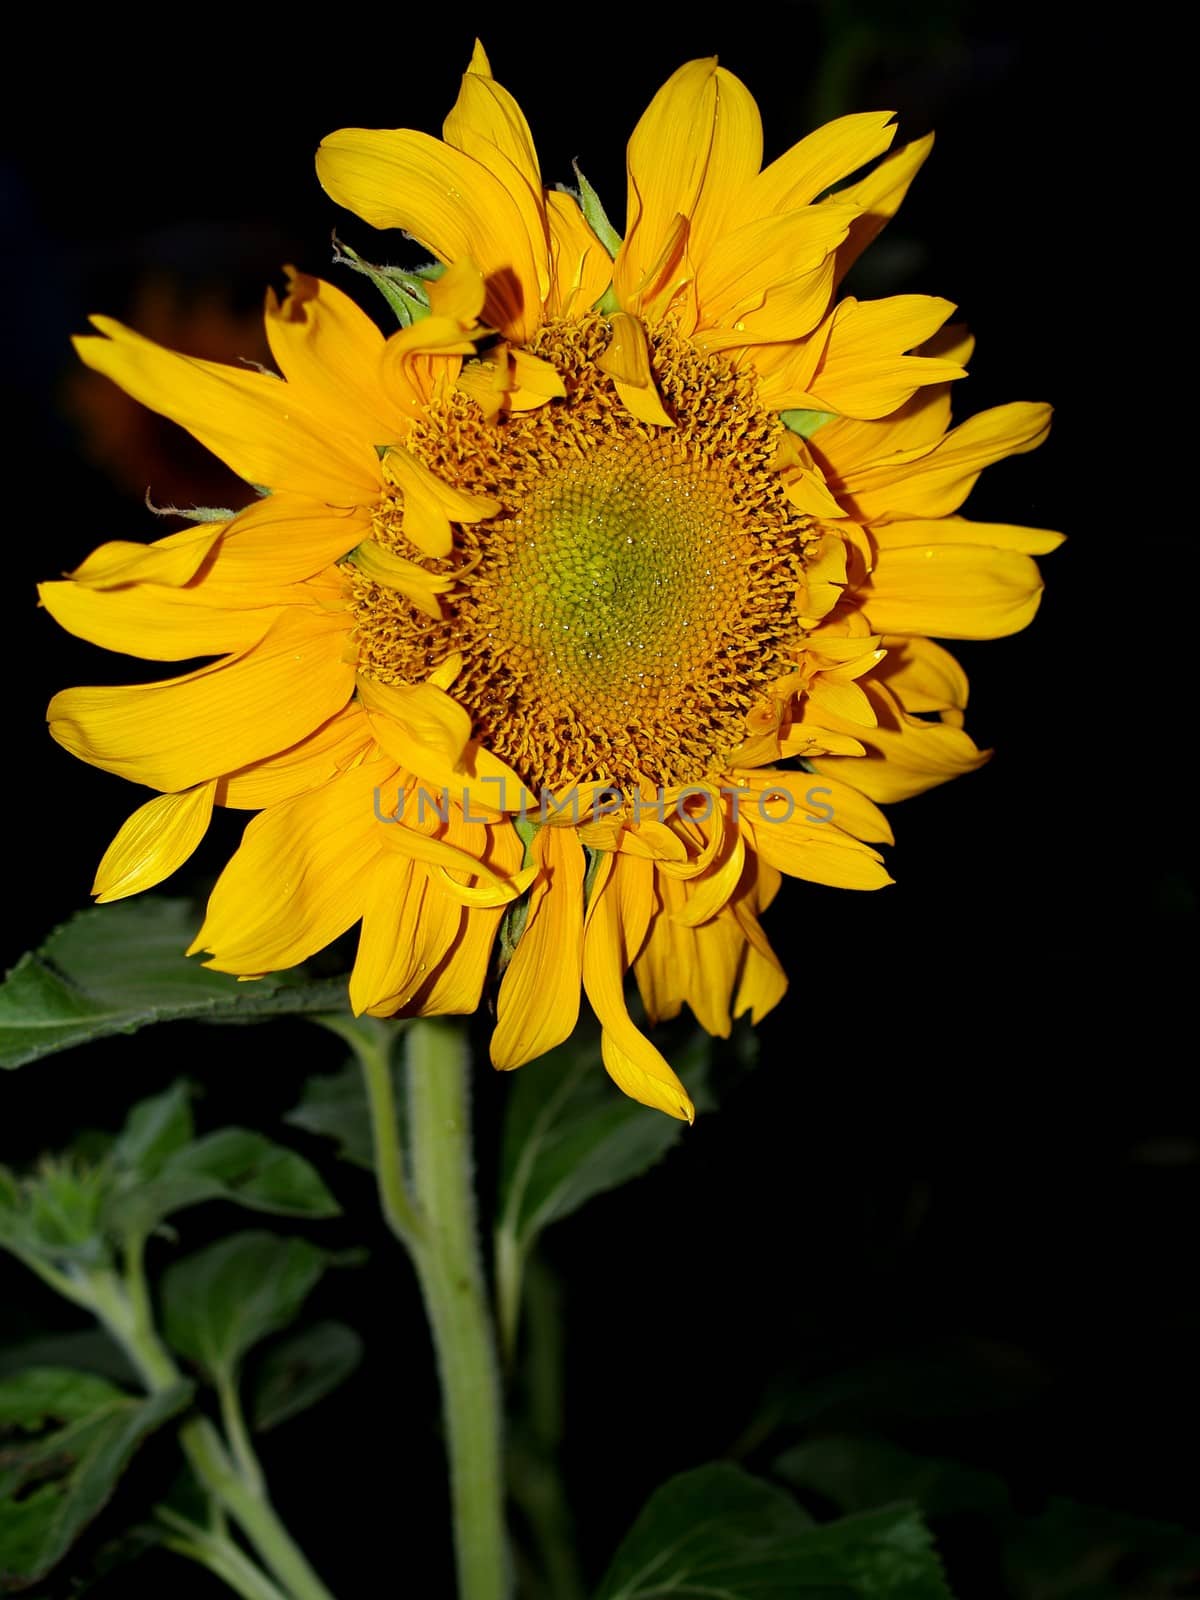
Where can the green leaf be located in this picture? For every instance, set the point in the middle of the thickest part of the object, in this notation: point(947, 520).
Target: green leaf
point(568, 1136)
point(234, 1164)
point(302, 1370)
point(334, 1106)
point(117, 968)
point(806, 423)
point(219, 1303)
point(55, 1479)
point(153, 1130)
point(858, 1474)
point(89, 1349)
point(719, 1533)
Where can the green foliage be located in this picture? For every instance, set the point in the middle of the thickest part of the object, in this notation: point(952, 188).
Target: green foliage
point(298, 1372)
point(69, 1437)
point(220, 1302)
point(117, 968)
point(569, 1137)
point(856, 1474)
point(68, 1214)
point(335, 1106)
point(719, 1533)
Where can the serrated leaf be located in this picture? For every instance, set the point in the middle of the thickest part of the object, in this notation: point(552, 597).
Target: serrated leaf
point(234, 1164)
point(302, 1370)
point(55, 1479)
point(334, 1106)
point(859, 1474)
point(153, 1130)
point(720, 1533)
point(120, 967)
point(569, 1137)
point(220, 1302)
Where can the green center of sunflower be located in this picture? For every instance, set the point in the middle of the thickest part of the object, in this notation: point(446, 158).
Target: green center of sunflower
point(636, 593)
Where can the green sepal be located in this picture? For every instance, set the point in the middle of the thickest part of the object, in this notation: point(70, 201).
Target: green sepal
point(403, 290)
point(806, 423)
point(595, 215)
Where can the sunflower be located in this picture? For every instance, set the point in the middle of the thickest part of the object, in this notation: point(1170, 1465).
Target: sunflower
point(580, 609)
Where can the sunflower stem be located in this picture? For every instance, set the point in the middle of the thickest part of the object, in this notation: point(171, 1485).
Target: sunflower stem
point(448, 1263)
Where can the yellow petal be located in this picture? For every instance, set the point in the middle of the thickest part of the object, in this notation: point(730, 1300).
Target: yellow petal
point(771, 278)
point(924, 677)
point(299, 878)
point(408, 927)
point(488, 124)
point(627, 361)
point(791, 840)
point(330, 351)
point(906, 754)
point(448, 202)
point(336, 746)
point(154, 842)
point(581, 268)
point(952, 591)
point(430, 505)
point(173, 560)
point(941, 479)
point(284, 539)
point(706, 895)
point(879, 196)
point(156, 623)
point(958, 530)
point(824, 158)
point(406, 577)
point(617, 916)
point(698, 143)
point(538, 1004)
point(864, 369)
point(258, 425)
point(173, 734)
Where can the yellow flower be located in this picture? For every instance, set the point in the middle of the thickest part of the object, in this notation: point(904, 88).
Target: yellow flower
point(553, 641)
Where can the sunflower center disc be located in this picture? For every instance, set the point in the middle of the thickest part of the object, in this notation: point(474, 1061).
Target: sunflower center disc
point(636, 593)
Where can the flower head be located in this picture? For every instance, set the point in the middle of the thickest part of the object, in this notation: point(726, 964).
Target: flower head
point(580, 609)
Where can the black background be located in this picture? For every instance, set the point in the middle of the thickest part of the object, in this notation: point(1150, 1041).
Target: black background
point(971, 1138)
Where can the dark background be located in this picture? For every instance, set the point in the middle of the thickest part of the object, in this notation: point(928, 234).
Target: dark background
point(970, 1145)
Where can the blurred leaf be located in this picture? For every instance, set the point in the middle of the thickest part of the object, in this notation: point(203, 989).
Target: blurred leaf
point(859, 1474)
point(719, 1533)
point(302, 1370)
point(1079, 1552)
point(234, 1164)
point(153, 1130)
point(53, 1214)
point(334, 1106)
point(88, 1350)
point(569, 1137)
point(117, 968)
point(54, 1480)
point(221, 1301)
